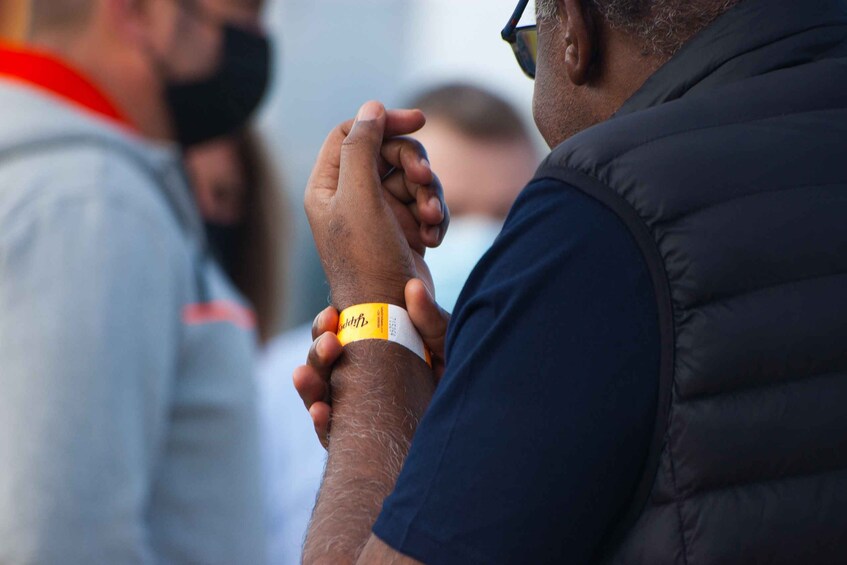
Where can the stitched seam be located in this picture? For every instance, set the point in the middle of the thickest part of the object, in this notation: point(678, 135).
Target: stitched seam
point(727, 394)
point(712, 69)
point(744, 484)
point(755, 194)
point(655, 140)
point(719, 299)
point(678, 500)
point(467, 552)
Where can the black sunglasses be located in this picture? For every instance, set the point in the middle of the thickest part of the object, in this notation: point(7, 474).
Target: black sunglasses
point(524, 40)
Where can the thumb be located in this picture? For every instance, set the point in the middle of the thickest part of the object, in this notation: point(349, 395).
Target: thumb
point(361, 150)
point(429, 318)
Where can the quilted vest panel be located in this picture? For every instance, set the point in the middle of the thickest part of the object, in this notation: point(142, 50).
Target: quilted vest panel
point(733, 179)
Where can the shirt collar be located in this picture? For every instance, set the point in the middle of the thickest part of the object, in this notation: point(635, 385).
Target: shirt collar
point(746, 35)
point(51, 74)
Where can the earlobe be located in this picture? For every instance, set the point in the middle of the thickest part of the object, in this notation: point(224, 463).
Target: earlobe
point(572, 56)
point(580, 39)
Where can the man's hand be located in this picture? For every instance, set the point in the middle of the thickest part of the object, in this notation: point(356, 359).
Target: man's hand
point(374, 205)
point(312, 380)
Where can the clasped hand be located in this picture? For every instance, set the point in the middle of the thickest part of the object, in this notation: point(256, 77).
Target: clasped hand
point(374, 206)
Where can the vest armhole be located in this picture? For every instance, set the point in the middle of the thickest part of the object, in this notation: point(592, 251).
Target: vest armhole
point(656, 268)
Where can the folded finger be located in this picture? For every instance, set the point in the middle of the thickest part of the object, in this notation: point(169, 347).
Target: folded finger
point(324, 352)
point(326, 321)
point(321, 414)
point(432, 208)
point(310, 385)
point(409, 155)
point(426, 202)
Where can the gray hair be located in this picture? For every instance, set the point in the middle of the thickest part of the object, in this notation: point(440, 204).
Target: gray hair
point(663, 26)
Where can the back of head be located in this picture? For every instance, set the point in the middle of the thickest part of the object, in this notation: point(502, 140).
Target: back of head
point(661, 26)
point(484, 155)
point(47, 16)
point(479, 146)
point(473, 111)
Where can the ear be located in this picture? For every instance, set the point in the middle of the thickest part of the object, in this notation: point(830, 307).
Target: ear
point(125, 18)
point(581, 41)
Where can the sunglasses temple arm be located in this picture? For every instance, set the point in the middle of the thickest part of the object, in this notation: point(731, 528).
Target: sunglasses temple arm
point(508, 32)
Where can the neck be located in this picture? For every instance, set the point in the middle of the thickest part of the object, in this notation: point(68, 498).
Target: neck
point(128, 79)
point(624, 70)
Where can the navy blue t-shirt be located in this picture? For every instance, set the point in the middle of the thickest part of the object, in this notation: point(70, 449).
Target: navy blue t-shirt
point(537, 435)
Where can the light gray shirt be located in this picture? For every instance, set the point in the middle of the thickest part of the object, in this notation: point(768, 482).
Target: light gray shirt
point(128, 431)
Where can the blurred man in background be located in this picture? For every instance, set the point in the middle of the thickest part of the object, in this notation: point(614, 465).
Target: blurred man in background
point(128, 431)
point(484, 155)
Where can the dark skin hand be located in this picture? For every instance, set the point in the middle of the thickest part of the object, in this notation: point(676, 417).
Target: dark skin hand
point(400, 221)
point(374, 206)
point(312, 380)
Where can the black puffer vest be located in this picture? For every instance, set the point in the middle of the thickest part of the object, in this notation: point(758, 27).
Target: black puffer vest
point(730, 169)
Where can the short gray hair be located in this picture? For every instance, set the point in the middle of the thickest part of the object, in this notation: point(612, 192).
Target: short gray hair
point(663, 26)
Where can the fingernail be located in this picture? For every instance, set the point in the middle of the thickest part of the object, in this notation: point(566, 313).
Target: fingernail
point(425, 163)
point(434, 232)
point(369, 112)
point(435, 202)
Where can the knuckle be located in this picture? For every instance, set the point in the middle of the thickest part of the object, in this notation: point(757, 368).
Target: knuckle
point(364, 134)
point(352, 142)
point(317, 325)
point(415, 146)
point(313, 359)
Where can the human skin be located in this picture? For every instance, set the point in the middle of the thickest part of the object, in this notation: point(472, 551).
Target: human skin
point(122, 46)
point(483, 176)
point(219, 180)
point(348, 199)
point(586, 70)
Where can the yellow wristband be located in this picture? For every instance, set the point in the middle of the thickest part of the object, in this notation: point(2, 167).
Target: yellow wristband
point(383, 322)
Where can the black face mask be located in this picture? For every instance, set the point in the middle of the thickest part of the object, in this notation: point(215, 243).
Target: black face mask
point(223, 102)
point(224, 243)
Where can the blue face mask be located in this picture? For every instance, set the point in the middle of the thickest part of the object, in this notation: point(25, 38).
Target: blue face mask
point(467, 240)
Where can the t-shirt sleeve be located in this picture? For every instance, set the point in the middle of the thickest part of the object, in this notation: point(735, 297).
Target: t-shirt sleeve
point(537, 434)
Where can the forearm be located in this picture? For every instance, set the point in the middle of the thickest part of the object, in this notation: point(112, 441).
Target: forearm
point(380, 391)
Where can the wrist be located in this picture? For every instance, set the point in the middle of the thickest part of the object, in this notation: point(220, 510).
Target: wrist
point(381, 322)
point(346, 295)
point(383, 377)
